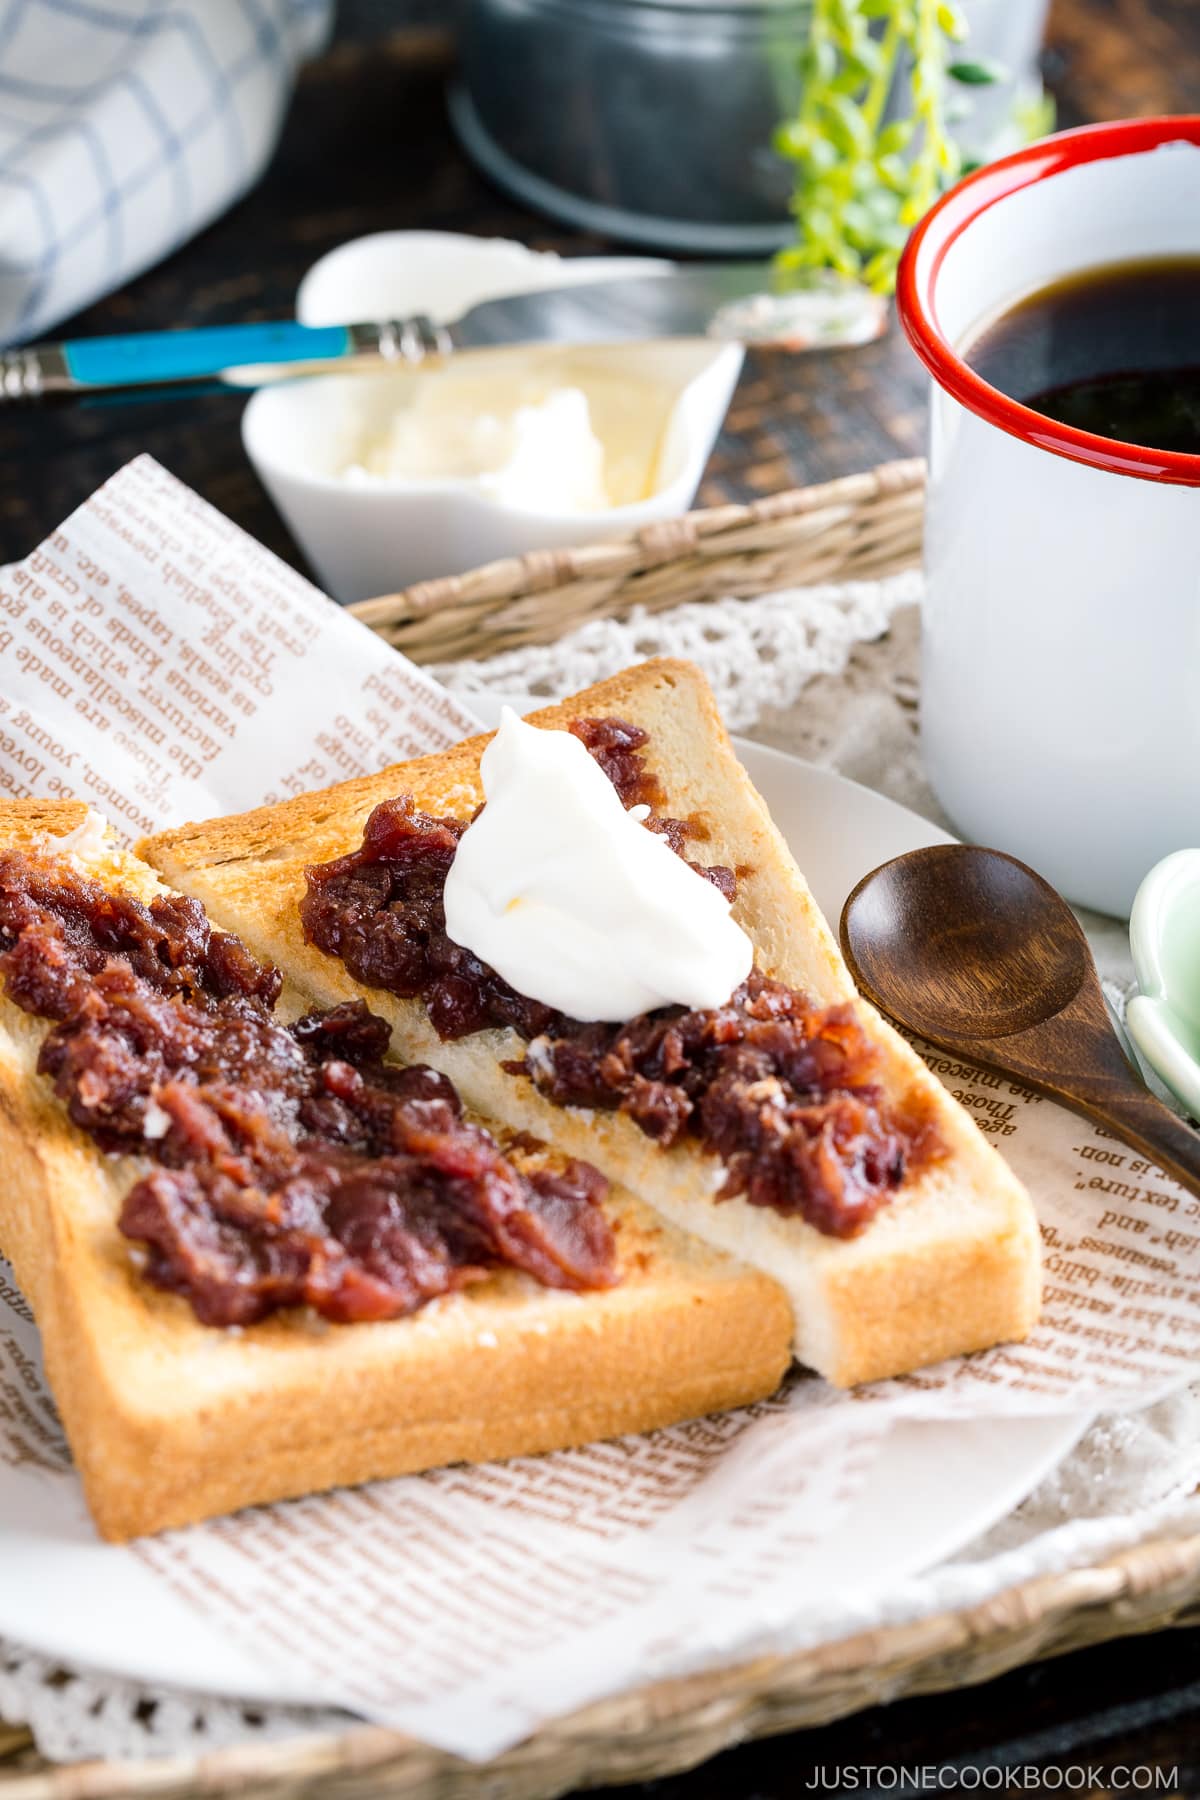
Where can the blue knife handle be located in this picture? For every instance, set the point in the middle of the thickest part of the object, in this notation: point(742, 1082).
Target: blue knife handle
point(148, 356)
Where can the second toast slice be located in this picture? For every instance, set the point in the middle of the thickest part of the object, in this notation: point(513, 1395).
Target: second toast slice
point(950, 1265)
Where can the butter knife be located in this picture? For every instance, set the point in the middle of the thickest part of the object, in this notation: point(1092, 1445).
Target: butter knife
point(750, 302)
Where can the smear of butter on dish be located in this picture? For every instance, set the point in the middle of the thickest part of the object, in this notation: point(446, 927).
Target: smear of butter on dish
point(88, 840)
point(538, 452)
point(573, 901)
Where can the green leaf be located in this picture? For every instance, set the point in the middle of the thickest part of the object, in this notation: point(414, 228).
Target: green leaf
point(858, 222)
point(893, 236)
point(869, 52)
point(818, 224)
point(949, 160)
point(884, 209)
point(982, 73)
point(847, 119)
point(950, 20)
point(1033, 116)
point(864, 177)
point(821, 61)
point(880, 272)
point(896, 137)
point(892, 172)
point(822, 156)
point(793, 139)
point(851, 78)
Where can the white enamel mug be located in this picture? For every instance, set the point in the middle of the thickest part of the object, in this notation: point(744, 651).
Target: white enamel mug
point(1061, 632)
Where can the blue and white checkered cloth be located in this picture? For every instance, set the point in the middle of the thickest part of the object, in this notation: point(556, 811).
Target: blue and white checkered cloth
point(126, 125)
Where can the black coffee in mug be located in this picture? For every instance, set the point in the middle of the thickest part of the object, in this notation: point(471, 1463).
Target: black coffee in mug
point(1114, 351)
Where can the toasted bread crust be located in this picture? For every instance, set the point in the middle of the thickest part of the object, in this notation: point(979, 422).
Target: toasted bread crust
point(171, 1421)
point(951, 1265)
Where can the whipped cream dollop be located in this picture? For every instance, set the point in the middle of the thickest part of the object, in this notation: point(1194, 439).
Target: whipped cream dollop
point(569, 897)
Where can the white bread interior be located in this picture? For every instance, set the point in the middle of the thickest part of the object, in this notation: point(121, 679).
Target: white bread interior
point(952, 1264)
point(171, 1421)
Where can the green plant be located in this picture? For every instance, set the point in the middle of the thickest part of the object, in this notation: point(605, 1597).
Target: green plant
point(863, 179)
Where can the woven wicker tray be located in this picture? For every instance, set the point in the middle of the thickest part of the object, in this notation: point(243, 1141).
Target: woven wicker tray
point(859, 528)
point(864, 526)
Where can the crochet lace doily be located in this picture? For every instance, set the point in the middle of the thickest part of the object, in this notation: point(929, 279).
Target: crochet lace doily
point(758, 654)
point(829, 674)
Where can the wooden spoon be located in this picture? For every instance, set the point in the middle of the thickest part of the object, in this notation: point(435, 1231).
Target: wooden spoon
point(973, 951)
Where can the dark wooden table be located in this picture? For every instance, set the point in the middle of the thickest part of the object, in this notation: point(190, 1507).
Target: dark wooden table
point(367, 147)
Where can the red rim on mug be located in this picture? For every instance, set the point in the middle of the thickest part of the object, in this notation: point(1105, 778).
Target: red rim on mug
point(916, 296)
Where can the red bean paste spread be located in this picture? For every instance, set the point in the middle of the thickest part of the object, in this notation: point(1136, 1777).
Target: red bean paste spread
point(295, 1166)
point(784, 1092)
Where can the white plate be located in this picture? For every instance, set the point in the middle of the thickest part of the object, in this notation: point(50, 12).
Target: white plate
point(935, 1487)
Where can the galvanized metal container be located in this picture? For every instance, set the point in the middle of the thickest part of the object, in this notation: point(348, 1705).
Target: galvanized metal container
point(650, 120)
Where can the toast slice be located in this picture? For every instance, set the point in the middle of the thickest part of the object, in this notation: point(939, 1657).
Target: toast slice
point(171, 1421)
point(951, 1264)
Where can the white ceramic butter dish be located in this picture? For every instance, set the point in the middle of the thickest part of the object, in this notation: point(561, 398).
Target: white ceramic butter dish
point(320, 447)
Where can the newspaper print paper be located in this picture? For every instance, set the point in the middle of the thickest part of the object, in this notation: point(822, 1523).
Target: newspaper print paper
point(157, 661)
point(160, 663)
